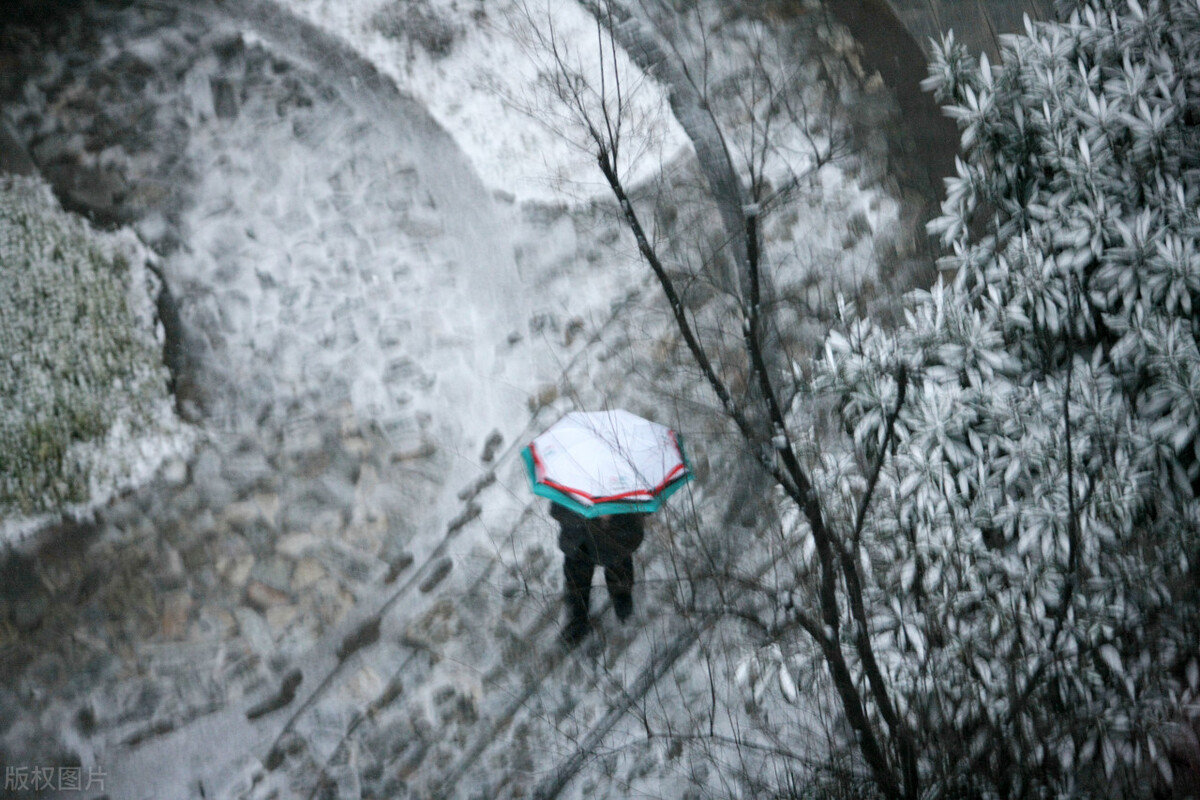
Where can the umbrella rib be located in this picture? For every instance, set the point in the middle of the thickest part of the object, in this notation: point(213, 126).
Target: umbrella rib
point(624, 448)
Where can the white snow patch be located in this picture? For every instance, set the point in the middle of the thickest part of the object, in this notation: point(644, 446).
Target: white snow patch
point(488, 87)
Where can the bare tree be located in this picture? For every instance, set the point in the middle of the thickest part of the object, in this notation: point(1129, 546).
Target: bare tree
point(753, 383)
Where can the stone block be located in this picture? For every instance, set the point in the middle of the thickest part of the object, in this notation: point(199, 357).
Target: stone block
point(177, 607)
point(279, 617)
point(235, 569)
point(297, 545)
point(262, 596)
point(254, 630)
point(308, 571)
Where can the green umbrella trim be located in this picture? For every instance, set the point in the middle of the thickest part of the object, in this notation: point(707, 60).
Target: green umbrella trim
point(612, 507)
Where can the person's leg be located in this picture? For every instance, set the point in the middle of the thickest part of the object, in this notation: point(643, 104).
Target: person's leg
point(619, 577)
point(577, 589)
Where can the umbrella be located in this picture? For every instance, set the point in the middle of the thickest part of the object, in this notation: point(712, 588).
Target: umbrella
point(606, 462)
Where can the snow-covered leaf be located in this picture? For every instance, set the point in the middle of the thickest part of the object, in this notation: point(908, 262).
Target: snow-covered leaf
point(1112, 659)
point(787, 685)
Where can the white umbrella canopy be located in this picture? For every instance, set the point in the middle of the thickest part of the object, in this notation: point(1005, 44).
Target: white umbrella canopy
point(606, 462)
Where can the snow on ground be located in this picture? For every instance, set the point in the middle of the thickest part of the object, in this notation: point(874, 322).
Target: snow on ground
point(474, 66)
point(346, 256)
point(349, 258)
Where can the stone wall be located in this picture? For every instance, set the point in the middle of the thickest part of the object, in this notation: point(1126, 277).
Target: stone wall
point(976, 23)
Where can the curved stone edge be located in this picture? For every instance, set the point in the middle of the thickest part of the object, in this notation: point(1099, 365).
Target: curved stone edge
point(978, 24)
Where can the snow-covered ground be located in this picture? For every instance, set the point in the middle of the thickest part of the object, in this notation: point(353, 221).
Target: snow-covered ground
point(392, 292)
point(476, 67)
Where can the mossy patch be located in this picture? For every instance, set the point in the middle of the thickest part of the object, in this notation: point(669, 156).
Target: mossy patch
point(82, 355)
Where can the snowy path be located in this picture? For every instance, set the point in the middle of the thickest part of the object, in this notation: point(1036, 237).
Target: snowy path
point(346, 251)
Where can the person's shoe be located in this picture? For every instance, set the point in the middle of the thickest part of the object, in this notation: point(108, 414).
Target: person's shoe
point(575, 631)
point(623, 605)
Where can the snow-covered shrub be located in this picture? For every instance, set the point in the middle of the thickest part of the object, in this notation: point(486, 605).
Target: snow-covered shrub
point(1030, 549)
point(84, 403)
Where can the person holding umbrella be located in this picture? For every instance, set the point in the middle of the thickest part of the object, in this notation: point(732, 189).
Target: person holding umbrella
point(603, 472)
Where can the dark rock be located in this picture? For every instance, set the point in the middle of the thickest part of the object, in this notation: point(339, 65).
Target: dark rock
point(289, 745)
point(132, 73)
point(113, 127)
point(102, 82)
point(10, 710)
point(440, 570)
point(285, 695)
point(180, 355)
point(13, 158)
point(401, 563)
point(354, 566)
point(57, 148)
point(494, 440)
point(857, 227)
point(92, 673)
point(94, 193)
point(366, 634)
point(261, 596)
point(195, 555)
point(225, 101)
point(29, 612)
point(18, 576)
point(226, 45)
point(92, 581)
point(16, 657)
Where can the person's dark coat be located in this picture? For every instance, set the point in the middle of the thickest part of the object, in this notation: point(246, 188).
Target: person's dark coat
point(607, 542)
point(604, 542)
